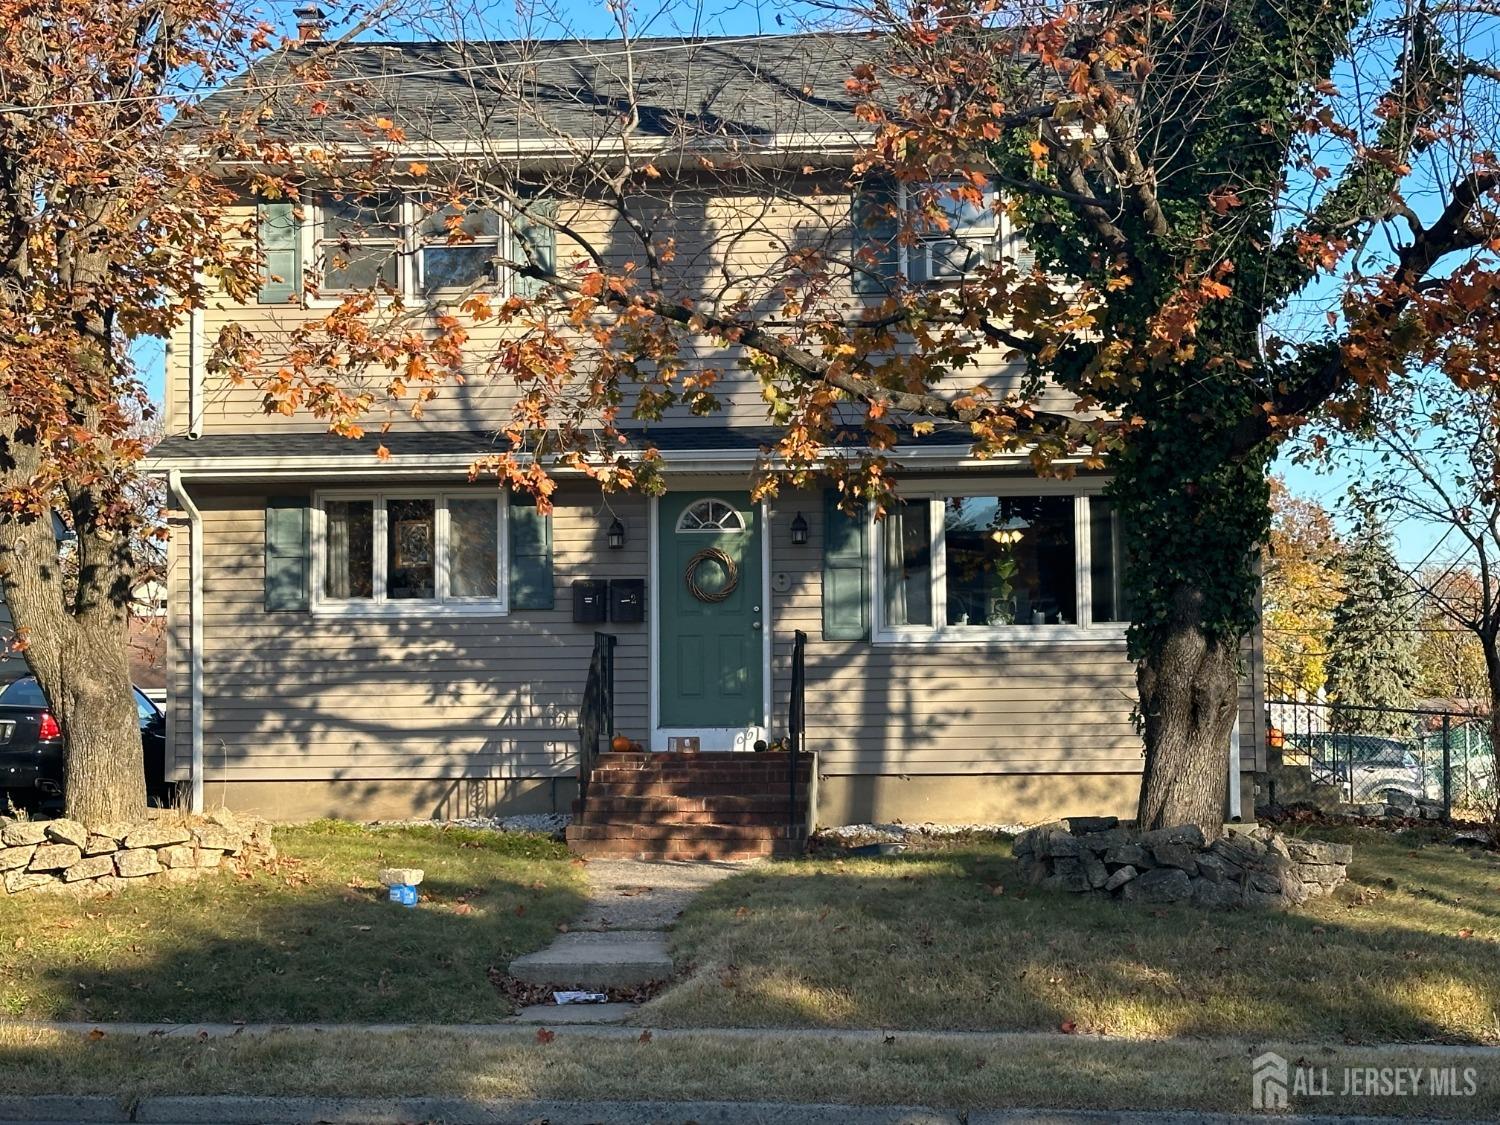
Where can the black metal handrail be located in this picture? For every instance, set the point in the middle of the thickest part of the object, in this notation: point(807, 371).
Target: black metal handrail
point(596, 713)
point(796, 720)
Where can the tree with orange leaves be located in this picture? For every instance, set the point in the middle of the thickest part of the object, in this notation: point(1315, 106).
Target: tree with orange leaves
point(112, 227)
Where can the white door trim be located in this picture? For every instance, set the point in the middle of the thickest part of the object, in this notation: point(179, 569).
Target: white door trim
point(710, 738)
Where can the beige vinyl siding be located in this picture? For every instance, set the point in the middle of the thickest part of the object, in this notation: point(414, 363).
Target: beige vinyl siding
point(729, 242)
point(910, 709)
point(296, 696)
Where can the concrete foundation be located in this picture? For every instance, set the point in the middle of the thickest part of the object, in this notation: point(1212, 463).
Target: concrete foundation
point(912, 799)
point(395, 799)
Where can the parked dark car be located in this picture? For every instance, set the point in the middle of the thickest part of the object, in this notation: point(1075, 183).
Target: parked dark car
point(32, 746)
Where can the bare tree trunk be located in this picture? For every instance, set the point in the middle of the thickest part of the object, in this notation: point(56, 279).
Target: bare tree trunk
point(1189, 688)
point(79, 654)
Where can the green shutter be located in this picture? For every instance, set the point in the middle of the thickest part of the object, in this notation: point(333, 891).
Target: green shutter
point(281, 245)
point(287, 558)
point(876, 230)
point(532, 241)
point(846, 571)
point(530, 555)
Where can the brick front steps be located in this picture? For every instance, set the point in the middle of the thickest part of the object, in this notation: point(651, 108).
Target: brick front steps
point(714, 806)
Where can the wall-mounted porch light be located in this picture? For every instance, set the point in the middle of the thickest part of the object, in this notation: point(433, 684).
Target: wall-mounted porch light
point(799, 530)
point(615, 536)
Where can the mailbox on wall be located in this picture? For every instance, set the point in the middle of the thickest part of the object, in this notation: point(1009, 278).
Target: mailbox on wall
point(590, 601)
point(627, 600)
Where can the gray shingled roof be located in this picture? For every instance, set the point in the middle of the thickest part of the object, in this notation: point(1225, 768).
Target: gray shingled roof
point(524, 90)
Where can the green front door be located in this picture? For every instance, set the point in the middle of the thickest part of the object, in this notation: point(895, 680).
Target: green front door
point(710, 611)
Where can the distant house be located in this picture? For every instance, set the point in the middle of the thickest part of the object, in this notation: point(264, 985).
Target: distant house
point(383, 638)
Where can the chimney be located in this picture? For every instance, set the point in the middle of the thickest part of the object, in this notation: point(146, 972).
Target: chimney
point(311, 20)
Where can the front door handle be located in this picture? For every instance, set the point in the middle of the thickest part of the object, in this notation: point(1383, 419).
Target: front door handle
point(755, 625)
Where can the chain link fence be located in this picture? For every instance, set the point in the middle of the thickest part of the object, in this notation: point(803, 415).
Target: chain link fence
point(1418, 761)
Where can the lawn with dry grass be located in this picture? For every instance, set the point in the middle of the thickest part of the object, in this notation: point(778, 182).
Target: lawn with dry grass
point(1408, 951)
point(311, 939)
point(980, 1073)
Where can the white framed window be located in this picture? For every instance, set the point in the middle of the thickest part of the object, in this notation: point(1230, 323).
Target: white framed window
point(1031, 564)
point(457, 246)
point(929, 233)
point(360, 241)
point(409, 552)
point(973, 232)
point(402, 244)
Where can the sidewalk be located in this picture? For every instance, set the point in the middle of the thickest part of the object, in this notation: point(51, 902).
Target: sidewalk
point(450, 1111)
point(854, 1036)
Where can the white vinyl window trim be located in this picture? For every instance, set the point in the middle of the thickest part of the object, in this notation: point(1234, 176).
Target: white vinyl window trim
point(442, 604)
point(983, 238)
point(1085, 631)
point(408, 253)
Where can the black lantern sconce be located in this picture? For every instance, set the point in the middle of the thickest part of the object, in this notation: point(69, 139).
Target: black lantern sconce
point(799, 530)
point(615, 536)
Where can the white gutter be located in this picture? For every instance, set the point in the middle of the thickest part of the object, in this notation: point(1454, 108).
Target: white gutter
point(800, 142)
point(1234, 769)
point(195, 635)
point(445, 464)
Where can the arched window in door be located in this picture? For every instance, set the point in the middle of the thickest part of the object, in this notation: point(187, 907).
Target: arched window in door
point(710, 515)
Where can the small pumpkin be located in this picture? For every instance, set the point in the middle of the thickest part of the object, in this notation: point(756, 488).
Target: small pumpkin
point(620, 744)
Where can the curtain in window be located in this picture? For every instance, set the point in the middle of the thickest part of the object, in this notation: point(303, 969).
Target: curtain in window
point(337, 581)
point(894, 550)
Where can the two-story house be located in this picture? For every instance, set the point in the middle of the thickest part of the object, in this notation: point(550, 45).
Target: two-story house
point(368, 637)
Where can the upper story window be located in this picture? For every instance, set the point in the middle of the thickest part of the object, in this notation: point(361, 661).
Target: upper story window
point(360, 241)
point(956, 566)
point(458, 246)
point(927, 233)
point(399, 244)
point(409, 553)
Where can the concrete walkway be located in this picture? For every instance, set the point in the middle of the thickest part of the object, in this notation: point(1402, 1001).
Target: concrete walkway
point(619, 940)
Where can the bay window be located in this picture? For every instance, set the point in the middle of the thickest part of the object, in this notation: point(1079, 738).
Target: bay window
point(956, 566)
point(407, 552)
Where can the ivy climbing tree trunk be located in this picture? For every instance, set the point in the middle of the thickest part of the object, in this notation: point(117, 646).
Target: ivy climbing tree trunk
point(1194, 522)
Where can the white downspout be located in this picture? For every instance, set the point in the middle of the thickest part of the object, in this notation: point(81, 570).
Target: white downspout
point(195, 634)
point(1234, 770)
point(195, 374)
